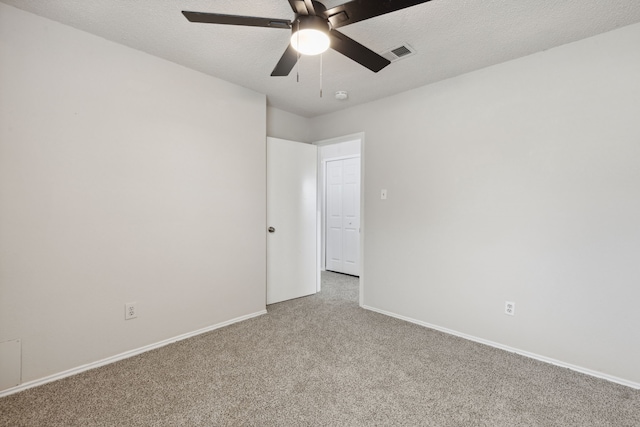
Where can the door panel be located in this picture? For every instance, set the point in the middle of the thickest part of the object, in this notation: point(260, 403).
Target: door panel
point(334, 216)
point(343, 216)
point(291, 211)
point(351, 215)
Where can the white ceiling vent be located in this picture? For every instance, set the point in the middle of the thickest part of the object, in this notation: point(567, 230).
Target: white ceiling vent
point(399, 52)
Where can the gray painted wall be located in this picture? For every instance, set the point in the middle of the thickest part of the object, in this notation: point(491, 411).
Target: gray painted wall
point(123, 177)
point(285, 125)
point(518, 182)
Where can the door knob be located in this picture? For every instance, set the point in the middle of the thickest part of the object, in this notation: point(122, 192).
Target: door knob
point(271, 230)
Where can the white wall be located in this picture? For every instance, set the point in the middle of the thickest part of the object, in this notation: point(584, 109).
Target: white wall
point(339, 150)
point(285, 125)
point(123, 177)
point(517, 182)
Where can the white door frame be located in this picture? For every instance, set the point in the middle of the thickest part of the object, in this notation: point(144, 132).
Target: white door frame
point(337, 140)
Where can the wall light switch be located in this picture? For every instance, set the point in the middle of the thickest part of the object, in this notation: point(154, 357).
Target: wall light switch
point(383, 194)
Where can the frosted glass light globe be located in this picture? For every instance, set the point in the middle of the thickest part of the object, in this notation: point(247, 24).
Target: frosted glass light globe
point(310, 41)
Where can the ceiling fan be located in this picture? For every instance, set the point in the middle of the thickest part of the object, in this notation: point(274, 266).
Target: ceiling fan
point(313, 29)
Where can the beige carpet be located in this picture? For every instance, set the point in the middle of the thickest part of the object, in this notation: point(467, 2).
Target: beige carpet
point(322, 360)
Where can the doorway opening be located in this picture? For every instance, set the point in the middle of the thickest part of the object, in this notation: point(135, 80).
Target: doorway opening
point(340, 207)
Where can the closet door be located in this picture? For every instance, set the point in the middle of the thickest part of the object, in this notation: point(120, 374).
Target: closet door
point(343, 216)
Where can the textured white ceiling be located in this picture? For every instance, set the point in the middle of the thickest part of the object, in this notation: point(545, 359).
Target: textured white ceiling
point(451, 37)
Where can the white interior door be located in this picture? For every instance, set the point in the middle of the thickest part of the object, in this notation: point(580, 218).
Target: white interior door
point(343, 216)
point(291, 218)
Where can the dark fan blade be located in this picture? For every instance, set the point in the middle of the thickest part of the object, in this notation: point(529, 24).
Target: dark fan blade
point(305, 7)
point(286, 63)
point(252, 21)
point(310, 9)
point(358, 10)
point(354, 50)
point(299, 7)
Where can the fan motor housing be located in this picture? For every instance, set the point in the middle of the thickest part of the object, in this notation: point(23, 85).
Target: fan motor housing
point(310, 22)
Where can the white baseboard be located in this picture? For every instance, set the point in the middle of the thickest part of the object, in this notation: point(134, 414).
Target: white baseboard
point(510, 349)
point(124, 355)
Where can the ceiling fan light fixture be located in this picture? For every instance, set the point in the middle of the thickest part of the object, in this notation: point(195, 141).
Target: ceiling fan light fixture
point(310, 42)
point(310, 35)
point(313, 15)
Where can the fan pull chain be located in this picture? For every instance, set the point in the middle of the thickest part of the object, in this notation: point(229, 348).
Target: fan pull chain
point(298, 61)
point(320, 75)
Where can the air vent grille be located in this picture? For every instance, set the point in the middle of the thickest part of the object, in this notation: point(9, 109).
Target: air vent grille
point(398, 52)
point(401, 51)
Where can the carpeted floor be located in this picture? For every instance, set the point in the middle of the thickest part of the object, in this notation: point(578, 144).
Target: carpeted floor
point(323, 361)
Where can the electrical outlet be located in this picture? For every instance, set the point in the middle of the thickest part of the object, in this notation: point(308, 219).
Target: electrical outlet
point(510, 308)
point(130, 311)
